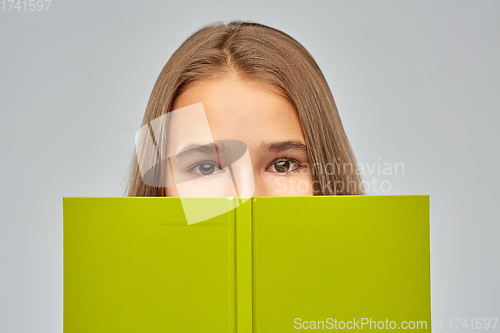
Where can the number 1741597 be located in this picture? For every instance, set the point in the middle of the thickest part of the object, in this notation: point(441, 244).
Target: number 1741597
point(473, 323)
point(25, 5)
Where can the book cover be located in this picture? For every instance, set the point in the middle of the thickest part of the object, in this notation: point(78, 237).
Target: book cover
point(268, 264)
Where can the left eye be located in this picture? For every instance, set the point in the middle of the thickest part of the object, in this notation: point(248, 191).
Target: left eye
point(206, 169)
point(283, 166)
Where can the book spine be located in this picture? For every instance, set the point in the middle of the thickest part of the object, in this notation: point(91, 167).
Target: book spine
point(244, 268)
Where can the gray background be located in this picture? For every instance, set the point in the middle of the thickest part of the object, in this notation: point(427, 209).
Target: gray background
point(415, 83)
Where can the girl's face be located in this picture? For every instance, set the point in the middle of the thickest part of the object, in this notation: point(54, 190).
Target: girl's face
point(259, 115)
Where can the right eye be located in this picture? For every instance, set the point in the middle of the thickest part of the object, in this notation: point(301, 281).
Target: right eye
point(206, 168)
point(283, 165)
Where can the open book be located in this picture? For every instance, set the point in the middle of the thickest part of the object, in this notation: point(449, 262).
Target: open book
point(273, 264)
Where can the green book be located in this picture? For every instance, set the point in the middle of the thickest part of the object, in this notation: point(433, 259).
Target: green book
point(266, 264)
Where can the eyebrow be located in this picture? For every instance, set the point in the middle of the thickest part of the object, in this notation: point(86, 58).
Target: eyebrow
point(279, 146)
point(207, 149)
point(220, 147)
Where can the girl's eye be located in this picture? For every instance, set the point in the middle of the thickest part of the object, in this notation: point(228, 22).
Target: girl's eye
point(283, 166)
point(206, 169)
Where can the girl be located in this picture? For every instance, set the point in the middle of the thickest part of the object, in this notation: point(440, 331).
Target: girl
point(254, 85)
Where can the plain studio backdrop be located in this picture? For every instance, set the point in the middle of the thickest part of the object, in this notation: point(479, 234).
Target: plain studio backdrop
point(416, 84)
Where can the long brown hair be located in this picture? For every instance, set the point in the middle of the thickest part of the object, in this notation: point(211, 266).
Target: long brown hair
point(256, 51)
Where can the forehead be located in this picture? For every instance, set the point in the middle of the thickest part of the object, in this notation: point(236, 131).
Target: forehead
point(248, 111)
